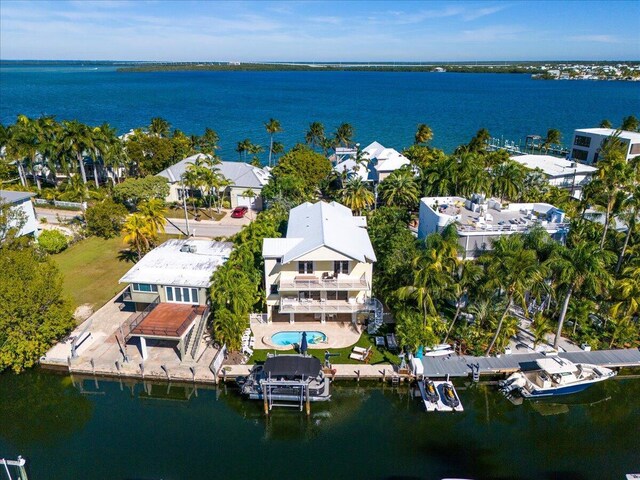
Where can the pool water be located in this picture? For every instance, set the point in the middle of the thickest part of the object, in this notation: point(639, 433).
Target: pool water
point(285, 339)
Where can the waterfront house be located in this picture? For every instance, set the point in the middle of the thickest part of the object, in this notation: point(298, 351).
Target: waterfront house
point(377, 164)
point(562, 173)
point(479, 221)
point(168, 286)
point(21, 201)
point(241, 176)
point(322, 270)
point(587, 143)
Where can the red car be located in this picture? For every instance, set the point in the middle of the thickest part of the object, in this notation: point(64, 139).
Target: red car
point(239, 212)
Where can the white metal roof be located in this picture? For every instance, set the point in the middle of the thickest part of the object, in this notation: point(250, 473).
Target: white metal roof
point(387, 159)
point(553, 166)
point(240, 174)
point(11, 196)
point(353, 168)
point(556, 365)
point(167, 265)
point(606, 132)
point(314, 225)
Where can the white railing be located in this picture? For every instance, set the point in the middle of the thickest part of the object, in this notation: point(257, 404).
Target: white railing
point(257, 318)
point(327, 283)
point(489, 227)
point(293, 305)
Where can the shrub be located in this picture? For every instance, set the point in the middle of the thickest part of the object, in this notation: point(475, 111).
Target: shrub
point(135, 190)
point(52, 241)
point(105, 219)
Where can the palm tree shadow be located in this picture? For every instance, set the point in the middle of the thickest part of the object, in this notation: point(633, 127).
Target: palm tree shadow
point(127, 255)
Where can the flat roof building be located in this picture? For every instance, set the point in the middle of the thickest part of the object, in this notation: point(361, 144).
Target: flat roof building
point(587, 143)
point(480, 221)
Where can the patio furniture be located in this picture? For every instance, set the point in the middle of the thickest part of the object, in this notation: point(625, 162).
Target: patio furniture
point(380, 341)
point(391, 342)
point(359, 350)
point(361, 357)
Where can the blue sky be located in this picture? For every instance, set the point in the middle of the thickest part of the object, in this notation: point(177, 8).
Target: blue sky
point(320, 31)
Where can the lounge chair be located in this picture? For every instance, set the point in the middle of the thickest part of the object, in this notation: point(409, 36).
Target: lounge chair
point(247, 351)
point(357, 356)
point(360, 350)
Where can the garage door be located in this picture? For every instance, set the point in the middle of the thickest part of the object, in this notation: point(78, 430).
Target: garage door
point(247, 201)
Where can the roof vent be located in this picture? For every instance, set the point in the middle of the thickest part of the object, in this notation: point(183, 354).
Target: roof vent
point(188, 248)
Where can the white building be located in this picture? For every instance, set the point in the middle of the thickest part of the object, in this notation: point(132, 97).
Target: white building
point(378, 163)
point(242, 176)
point(322, 269)
point(559, 172)
point(480, 221)
point(22, 201)
point(588, 141)
point(169, 288)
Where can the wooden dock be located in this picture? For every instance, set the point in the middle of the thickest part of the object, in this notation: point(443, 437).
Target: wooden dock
point(463, 365)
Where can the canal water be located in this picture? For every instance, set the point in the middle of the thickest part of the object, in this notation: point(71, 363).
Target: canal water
point(83, 428)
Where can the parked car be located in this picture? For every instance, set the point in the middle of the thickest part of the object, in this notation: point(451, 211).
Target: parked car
point(239, 212)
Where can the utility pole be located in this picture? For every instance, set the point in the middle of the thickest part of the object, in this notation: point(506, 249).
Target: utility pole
point(184, 204)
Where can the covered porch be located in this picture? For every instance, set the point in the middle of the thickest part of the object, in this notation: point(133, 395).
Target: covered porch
point(174, 325)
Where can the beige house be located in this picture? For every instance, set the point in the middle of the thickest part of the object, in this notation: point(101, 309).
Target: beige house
point(242, 177)
point(322, 270)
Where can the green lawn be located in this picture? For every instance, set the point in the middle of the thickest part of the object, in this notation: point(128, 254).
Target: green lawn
point(380, 355)
point(204, 213)
point(91, 269)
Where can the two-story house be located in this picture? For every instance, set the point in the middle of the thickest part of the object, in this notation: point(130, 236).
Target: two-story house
point(322, 269)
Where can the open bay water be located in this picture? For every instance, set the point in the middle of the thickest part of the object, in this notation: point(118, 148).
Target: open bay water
point(383, 106)
point(93, 429)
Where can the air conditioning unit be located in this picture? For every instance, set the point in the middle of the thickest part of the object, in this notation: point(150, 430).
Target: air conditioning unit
point(188, 248)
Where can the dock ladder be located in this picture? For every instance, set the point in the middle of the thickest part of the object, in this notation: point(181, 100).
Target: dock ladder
point(18, 466)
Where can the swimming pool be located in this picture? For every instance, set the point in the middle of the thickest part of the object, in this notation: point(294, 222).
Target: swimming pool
point(285, 339)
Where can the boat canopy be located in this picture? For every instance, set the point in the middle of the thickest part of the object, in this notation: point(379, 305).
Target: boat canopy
point(292, 366)
point(556, 365)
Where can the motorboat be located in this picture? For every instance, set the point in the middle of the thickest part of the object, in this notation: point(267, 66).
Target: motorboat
point(289, 378)
point(449, 396)
point(431, 391)
point(555, 376)
point(438, 350)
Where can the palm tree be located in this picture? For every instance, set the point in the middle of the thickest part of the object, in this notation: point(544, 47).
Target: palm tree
point(277, 148)
point(400, 189)
point(508, 179)
point(467, 276)
point(480, 141)
point(160, 127)
point(630, 124)
point(255, 150)
point(208, 142)
point(243, 147)
point(554, 137)
point(424, 134)
point(315, 135)
point(154, 211)
point(605, 124)
point(583, 268)
point(138, 233)
point(272, 127)
point(356, 195)
point(631, 208)
point(514, 270)
point(540, 327)
point(344, 134)
point(250, 194)
point(77, 138)
point(25, 143)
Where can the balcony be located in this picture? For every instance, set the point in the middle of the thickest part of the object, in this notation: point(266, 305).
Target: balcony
point(293, 305)
point(326, 282)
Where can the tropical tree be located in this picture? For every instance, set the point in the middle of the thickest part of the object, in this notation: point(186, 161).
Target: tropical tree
point(154, 212)
point(250, 194)
point(25, 142)
point(631, 213)
point(480, 141)
point(580, 268)
point(357, 195)
point(467, 276)
point(77, 139)
point(512, 270)
point(243, 148)
point(554, 137)
point(159, 127)
point(605, 124)
point(424, 134)
point(208, 142)
point(138, 233)
point(540, 327)
point(400, 189)
point(272, 127)
point(508, 179)
point(315, 135)
point(630, 124)
point(344, 134)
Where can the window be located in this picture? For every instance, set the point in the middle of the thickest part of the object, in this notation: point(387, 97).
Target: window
point(144, 287)
point(341, 267)
point(274, 289)
point(337, 295)
point(579, 154)
point(582, 141)
point(182, 295)
point(305, 267)
point(635, 149)
point(304, 295)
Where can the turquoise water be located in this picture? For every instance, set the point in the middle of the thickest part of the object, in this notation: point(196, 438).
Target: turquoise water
point(99, 430)
point(284, 339)
point(381, 106)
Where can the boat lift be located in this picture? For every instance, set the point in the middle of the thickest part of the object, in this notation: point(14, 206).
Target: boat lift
point(440, 405)
point(19, 466)
point(300, 400)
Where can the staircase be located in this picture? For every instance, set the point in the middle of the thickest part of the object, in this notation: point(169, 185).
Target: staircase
point(192, 342)
point(374, 325)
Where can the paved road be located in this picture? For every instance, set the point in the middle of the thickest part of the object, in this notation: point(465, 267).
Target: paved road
point(205, 228)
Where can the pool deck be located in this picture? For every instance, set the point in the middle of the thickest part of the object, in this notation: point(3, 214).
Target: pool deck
point(339, 334)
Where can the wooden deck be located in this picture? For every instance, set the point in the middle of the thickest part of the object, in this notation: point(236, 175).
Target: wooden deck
point(461, 366)
point(168, 320)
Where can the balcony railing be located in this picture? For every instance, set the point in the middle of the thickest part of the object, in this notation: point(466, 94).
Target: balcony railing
point(493, 227)
point(313, 282)
point(293, 305)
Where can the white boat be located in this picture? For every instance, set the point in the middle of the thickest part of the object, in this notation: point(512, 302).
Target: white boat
point(555, 376)
point(438, 350)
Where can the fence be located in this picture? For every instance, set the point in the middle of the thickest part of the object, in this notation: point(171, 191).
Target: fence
point(216, 363)
point(61, 204)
